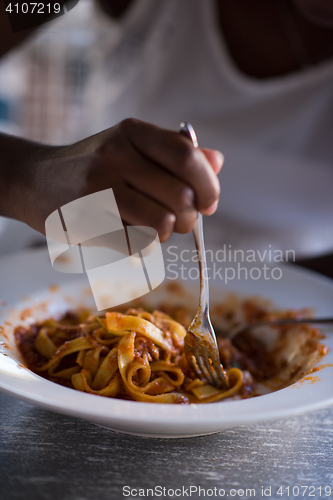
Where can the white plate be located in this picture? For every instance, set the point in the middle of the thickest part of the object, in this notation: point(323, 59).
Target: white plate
point(25, 281)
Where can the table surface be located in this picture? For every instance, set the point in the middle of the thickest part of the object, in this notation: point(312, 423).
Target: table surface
point(48, 456)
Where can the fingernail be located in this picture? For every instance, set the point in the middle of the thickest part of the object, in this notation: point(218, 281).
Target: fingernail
point(211, 210)
point(220, 156)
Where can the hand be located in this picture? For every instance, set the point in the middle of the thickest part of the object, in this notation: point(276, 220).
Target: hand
point(159, 179)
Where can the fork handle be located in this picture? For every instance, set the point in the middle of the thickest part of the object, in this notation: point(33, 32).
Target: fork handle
point(200, 247)
point(187, 130)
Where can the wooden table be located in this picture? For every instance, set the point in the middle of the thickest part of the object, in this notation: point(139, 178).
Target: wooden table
point(48, 456)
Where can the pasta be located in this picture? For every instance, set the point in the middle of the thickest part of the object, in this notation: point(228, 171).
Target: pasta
point(139, 356)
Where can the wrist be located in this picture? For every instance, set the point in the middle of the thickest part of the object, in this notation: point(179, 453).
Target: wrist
point(20, 166)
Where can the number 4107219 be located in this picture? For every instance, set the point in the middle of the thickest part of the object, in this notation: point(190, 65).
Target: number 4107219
point(304, 491)
point(37, 8)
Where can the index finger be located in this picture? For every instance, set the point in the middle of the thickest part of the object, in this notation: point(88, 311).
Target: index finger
point(176, 153)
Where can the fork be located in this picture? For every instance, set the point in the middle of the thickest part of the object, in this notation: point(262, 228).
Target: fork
point(236, 330)
point(200, 341)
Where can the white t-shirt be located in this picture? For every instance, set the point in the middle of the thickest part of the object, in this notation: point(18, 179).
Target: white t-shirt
point(166, 62)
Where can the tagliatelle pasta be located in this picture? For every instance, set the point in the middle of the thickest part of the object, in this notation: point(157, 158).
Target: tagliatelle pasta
point(140, 356)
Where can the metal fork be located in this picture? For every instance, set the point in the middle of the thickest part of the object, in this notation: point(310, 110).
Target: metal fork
point(200, 342)
point(236, 330)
